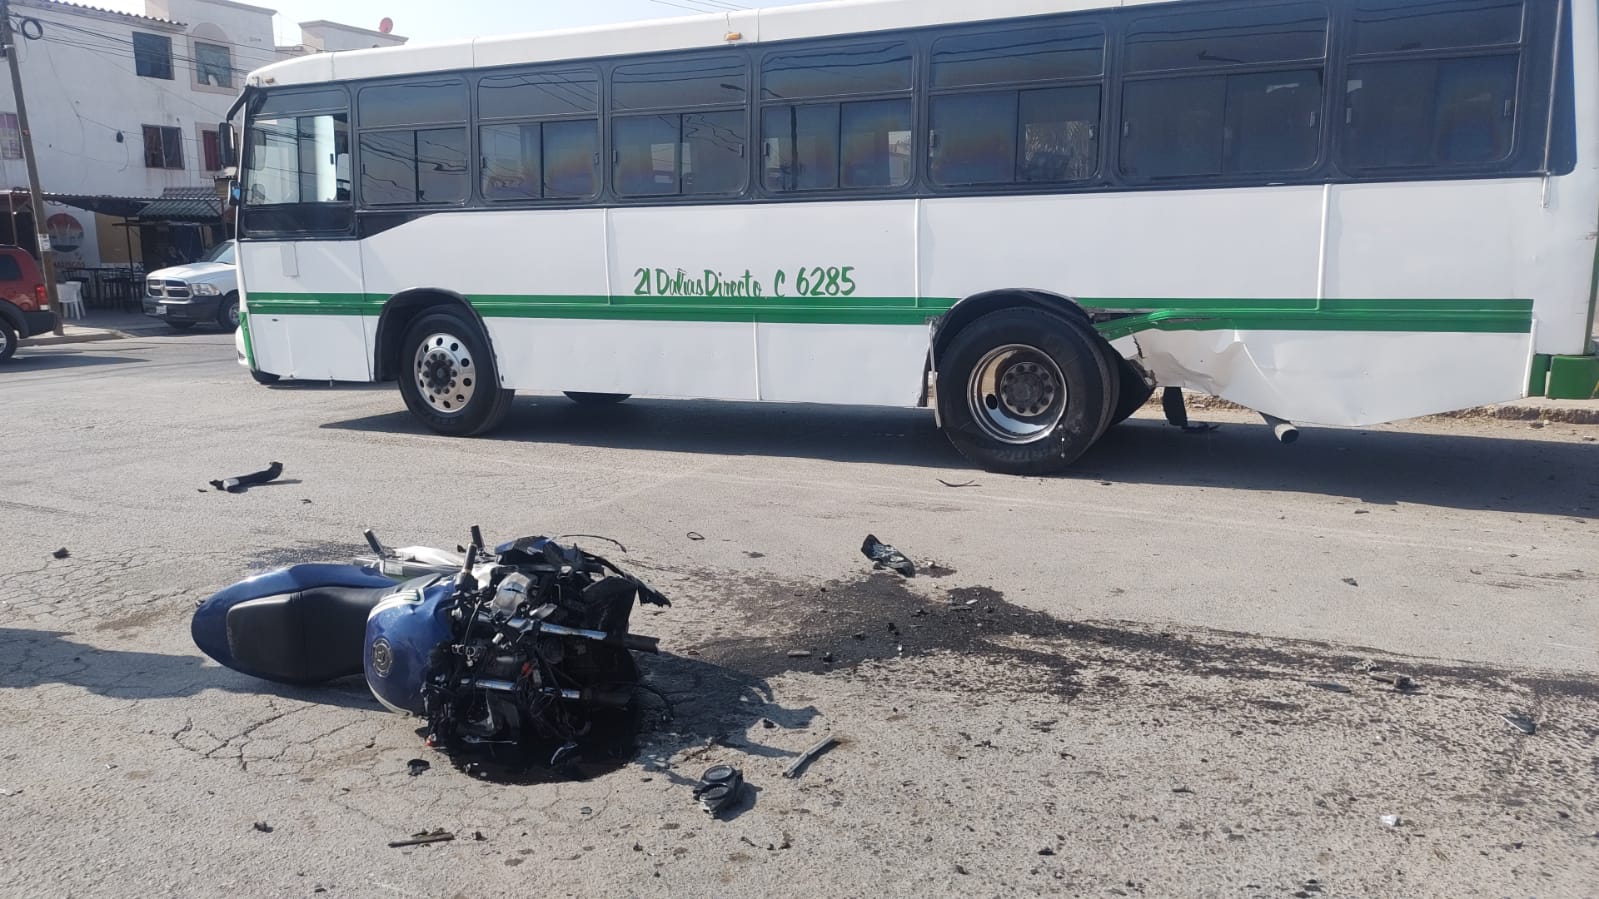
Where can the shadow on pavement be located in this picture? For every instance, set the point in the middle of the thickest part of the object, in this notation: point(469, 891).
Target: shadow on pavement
point(1460, 471)
point(835, 433)
point(36, 658)
point(45, 359)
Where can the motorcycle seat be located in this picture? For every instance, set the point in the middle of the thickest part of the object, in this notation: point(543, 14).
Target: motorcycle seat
point(308, 636)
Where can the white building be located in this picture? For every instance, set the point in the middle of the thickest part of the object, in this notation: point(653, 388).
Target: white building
point(124, 108)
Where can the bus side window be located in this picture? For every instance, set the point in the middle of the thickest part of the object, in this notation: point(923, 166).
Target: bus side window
point(837, 117)
point(981, 133)
point(678, 127)
point(1410, 101)
point(539, 135)
point(413, 143)
point(1188, 112)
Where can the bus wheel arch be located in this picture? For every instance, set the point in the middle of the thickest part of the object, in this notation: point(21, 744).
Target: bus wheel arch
point(1134, 385)
point(404, 308)
point(978, 305)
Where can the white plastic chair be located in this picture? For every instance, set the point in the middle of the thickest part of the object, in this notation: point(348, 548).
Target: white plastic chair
point(70, 294)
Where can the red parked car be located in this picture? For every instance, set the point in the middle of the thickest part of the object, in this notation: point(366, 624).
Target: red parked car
point(24, 309)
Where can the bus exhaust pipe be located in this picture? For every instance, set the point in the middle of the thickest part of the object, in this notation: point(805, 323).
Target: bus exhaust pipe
point(1284, 431)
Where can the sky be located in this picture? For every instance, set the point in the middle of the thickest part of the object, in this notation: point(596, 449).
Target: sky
point(426, 21)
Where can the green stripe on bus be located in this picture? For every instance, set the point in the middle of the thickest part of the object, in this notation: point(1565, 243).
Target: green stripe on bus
point(1511, 316)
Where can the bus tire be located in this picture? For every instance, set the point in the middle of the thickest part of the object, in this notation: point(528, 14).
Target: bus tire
point(1021, 391)
point(583, 398)
point(447, 376)
point(1135, 392)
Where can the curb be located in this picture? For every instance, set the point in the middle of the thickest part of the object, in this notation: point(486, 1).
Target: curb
point(98, 335)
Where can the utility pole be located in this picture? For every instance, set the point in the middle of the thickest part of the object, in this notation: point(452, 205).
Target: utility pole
point(35, 189)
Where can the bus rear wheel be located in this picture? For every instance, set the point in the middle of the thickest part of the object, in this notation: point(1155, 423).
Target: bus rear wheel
point(447, 376)
point(1022, 391)
point(597, 399)
point(1135, 392)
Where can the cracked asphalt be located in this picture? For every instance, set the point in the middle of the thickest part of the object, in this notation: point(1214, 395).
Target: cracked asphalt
point(1103, 685)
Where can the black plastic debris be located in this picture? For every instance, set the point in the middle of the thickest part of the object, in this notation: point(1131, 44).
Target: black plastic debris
point(696, 536)
point(960, 485)
point(423, 838)
point(262, 826)
point(1520, 722)
point(1175, 405)
point(1328, 686)
point(417, 766)
point(61, 553)
point(1400, 682)
point(809, 755)
point(885, 556)
point(1351, 582)
point(254, 479)
point(719, 787)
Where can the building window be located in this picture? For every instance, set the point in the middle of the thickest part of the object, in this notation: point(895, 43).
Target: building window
point(213, 65)
point(163, 147)
point(10, 136)
point(152, 55)
point(211, 149)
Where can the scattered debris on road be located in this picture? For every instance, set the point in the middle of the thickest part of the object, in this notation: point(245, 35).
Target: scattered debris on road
point(7, 794)
point(1400, 682)
point(610, 540)
point(61, 553)
point(262, 826)
point(1520, 722)
point(1328, 686)
point(885, 556)
point(695, 535)
point(799, 653)
point(423, 838)
point(245, 481)
point(1392, 820)
point(960, 485)
point(719, 788)
point(1351, 582)
point(417, 766)
point(477, 836)
point(809, 755)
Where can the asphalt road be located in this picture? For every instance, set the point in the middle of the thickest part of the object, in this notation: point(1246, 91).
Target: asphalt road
point(1130, 718)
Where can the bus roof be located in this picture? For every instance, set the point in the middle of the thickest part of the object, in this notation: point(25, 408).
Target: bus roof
point(783, 23)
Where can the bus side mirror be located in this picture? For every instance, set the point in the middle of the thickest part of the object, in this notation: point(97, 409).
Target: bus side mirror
point(227, 145)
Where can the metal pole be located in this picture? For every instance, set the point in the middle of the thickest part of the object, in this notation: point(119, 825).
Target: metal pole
point(36, 190)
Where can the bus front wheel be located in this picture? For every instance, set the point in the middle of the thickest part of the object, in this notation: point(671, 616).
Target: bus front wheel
point(448, 378)
point(1022, 391)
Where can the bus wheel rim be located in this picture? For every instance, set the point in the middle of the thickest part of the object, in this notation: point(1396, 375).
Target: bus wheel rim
point(1017, 394)
point(445, 373)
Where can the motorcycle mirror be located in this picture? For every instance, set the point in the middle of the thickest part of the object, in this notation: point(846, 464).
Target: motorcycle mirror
point(477, 537)
point(376, 544)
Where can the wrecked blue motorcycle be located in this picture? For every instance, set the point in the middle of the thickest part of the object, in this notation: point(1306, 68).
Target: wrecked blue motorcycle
point(527, 645)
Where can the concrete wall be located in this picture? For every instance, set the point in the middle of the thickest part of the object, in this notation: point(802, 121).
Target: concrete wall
point(329, 37)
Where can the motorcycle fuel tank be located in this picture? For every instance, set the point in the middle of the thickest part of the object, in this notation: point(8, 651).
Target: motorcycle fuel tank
point(401, 633)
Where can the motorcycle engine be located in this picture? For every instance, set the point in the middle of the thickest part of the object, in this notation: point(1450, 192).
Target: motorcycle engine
point(538, 654)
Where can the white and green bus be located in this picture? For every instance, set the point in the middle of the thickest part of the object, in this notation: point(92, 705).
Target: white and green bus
point(1024, 214)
